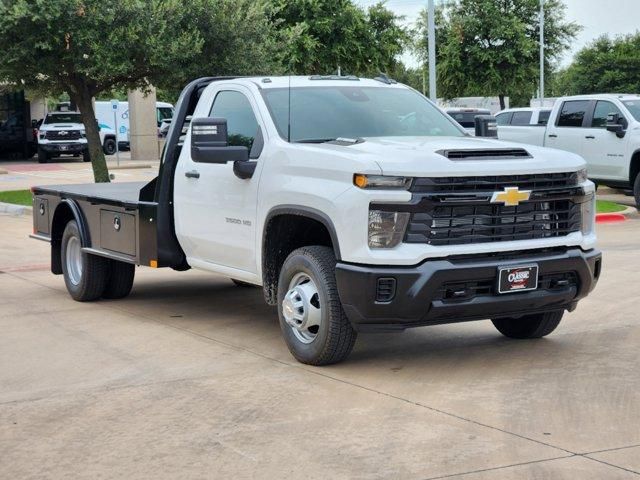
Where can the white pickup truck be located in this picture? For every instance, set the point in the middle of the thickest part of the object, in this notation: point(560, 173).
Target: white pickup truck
point(62, 133)
point(356, 204)
point(603, 129)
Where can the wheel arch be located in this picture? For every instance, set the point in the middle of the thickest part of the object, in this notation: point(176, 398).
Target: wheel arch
point(300, 226)
point(66, 211)
point(634, 167)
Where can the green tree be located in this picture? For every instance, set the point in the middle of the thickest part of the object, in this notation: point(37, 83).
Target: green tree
point(84, 47)
point(491, 47)
point(606, 65)
point(322, 35)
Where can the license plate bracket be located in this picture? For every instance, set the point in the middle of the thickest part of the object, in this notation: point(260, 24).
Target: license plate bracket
point(517, 278)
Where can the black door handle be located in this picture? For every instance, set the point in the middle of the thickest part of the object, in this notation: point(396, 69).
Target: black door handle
point(192, 174)
point(590, 137)
point(553, 135)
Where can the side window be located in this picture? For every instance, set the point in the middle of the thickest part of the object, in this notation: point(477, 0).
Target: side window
point(603, 109)
point(572, 113)
point(521, 118)
point(504, 118)
point(543, 117)
point(242, 125)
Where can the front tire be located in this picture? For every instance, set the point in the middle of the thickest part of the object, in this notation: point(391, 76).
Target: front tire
point(530, 326)
point(85, 156)
point(85, 275)
point(43, 157)
point(636, 191)
point(313, 323)
point(109, 146)
point(120, 281)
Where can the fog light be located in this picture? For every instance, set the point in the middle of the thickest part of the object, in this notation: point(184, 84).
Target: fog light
point(386, 229)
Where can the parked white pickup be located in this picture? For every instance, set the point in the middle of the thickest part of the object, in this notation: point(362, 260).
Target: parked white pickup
point(603, 129)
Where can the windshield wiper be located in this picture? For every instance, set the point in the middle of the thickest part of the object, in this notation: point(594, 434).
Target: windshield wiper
point(314, 140)
point(337, 141)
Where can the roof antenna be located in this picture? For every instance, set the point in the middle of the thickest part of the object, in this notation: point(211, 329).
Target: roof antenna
point(289, 113)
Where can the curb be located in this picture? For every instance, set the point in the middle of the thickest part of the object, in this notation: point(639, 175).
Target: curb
point(616, 217)
point(129, 167)
point(3, 171)
point(15, 210)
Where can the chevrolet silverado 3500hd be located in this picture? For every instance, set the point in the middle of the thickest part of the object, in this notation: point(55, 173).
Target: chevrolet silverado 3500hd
point(356, 204)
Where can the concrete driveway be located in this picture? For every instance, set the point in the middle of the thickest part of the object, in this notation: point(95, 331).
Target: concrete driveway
point(189, 378)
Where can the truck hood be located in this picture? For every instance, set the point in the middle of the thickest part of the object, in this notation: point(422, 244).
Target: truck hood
point(419, 157)
point(61, 126)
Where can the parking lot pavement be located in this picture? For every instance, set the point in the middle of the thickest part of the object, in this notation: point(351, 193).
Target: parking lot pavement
point(189, 378)
point(24, 174)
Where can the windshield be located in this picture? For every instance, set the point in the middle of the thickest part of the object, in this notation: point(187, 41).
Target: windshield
point(634, 108)
point(63, 118)
point(326, 113)
point(164, 113)
point(467, 119)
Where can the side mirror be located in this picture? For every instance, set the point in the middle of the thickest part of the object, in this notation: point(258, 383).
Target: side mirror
point(616, 124)
point(486, 126)
point(209, 142)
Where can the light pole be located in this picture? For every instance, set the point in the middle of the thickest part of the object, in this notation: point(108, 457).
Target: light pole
point(432, 50)
point(541, 92)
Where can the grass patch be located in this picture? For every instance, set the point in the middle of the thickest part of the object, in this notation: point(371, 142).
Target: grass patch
point(19, 197)
point(604, 206)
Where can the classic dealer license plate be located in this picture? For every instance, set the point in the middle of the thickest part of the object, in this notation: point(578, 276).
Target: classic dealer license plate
point(518, 279)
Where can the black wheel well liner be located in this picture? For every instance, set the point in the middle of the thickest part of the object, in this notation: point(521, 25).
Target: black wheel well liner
point(66, 211)
point(634, 167)
point(310, 227)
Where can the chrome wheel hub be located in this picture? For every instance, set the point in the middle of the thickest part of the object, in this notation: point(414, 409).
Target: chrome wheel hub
point(301, 308)
point(74, 260)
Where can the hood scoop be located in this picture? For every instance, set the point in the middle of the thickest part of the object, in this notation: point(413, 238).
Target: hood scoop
point(485, 154)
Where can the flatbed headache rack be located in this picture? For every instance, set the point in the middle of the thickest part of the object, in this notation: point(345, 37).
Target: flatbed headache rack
point(130, 222)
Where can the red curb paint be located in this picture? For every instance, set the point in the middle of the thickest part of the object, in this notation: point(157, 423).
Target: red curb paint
point(610, 218)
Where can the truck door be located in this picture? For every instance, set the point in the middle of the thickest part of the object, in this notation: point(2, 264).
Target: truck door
point(604, 152)
point(215, 211)
point(568, 132)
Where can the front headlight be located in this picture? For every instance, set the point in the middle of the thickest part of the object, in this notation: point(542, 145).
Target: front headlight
point(83, 133)
point(582, 176)
point(588, 213)
point(386, 229)
point(381, 182)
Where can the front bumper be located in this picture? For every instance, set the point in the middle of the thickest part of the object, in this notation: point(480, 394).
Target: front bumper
point(64, 148)
point(459, 289)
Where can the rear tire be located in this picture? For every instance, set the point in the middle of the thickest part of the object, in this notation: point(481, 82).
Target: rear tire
point(85, 156)
point(530, 326)
point(636, 191)
point(308, 293)
point(109, 146)
point(43, 157)
point(120, 281)
point(85, 275)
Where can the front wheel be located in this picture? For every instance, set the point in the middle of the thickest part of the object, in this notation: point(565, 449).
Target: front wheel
point(85, 156)
point(43, 157)
point(636, 191)
point(109, 146)
point(313, 323)
point(85, 275)
point(530, 326)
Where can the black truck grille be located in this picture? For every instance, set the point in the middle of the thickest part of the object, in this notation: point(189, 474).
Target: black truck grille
point(494, 183)
point(62, 134)
point(457, 211)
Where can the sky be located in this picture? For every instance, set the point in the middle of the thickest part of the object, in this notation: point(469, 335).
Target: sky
point(598, 17)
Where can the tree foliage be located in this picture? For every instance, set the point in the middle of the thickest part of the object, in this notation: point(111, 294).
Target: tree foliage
point(85, 47)
point(322, 35)
point(605, 66)
point(490, 47)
